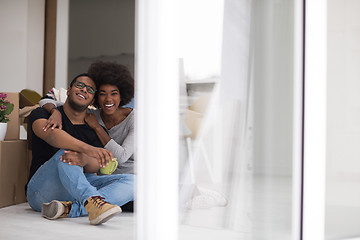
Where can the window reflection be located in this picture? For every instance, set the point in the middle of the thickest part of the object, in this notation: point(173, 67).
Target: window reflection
point(238, 143)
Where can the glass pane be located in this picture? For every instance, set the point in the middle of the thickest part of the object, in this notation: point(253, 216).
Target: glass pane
point(343, 121)
point(236, 114)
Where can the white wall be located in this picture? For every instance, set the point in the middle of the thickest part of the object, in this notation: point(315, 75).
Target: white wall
point(21, 44)
point(343, 120)
point(343, 132)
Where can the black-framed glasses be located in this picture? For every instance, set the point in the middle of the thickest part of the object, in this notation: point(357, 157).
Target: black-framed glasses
point(81, 85)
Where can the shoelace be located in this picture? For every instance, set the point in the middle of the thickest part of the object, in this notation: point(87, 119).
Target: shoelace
point(67, 206)
point(98, 201)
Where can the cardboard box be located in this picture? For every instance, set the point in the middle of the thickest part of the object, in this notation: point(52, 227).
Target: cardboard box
point(14, 167)
point(22, 102)
point(13, 126)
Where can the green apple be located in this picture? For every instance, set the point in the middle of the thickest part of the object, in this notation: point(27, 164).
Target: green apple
point(109, 169)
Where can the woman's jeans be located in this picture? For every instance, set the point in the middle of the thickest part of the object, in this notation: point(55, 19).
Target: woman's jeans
point(56, 180)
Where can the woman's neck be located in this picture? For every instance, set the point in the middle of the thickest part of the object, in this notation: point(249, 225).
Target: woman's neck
point(114, 119)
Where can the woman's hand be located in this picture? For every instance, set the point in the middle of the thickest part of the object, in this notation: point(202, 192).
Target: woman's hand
point(54, 121)
point(102, 155)
point(92, 121)
point(74, 158)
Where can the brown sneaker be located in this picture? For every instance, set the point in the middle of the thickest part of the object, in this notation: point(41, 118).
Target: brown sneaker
point(100, 211)
point(56, 209)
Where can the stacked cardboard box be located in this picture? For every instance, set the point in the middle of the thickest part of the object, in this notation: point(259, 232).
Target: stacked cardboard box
point(13, 171)
point(14, 158)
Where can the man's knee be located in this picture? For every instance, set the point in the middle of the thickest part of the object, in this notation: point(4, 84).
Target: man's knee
point(57, 156)
point(35, 201)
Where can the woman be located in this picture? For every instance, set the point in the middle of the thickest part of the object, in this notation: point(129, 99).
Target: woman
point(115, 89)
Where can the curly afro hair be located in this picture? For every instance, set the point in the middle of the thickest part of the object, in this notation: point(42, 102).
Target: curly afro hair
point(114, 74)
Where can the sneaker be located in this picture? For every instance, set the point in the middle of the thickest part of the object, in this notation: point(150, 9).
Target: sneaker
point(100, 211)
point(201, 202)
point(56, 209)
point(207, 199)
point(220, 200)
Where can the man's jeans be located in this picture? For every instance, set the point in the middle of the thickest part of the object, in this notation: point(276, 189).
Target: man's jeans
point(56, 180)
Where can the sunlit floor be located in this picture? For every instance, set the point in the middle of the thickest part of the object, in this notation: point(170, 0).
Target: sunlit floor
point(21, 222)
point(342, 222)
point(270, 217)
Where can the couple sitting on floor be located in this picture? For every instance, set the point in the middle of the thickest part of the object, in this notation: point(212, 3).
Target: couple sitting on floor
point(68, 148)
point(65, 185)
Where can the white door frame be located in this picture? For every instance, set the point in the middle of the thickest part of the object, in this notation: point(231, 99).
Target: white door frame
point(314, 152)
point(157, 120)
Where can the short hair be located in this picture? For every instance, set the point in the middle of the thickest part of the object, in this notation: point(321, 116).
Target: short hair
point(114, 74)
point(81, 75)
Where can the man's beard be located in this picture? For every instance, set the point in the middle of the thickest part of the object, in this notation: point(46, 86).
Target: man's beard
point(76, 107)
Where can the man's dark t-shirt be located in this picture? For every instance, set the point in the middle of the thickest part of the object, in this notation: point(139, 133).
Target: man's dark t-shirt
point(42, 151)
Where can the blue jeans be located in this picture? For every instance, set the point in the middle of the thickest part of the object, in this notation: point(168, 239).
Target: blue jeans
point(56, 180)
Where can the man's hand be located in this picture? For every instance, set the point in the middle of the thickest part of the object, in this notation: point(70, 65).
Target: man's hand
point(54, 121)
point(101, 154)
point(74, 158)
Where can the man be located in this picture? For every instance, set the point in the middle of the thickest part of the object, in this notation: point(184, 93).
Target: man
point(69, 188)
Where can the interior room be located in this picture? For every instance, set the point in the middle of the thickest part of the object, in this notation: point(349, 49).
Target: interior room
point(246, 115)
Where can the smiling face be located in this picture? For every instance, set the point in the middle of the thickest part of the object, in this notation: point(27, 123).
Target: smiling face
point(109, 98)
point(78, 96)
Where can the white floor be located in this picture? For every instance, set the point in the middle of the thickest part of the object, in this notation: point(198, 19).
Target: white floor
point(269, 218)
point(342, 222)
point(21, 222)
